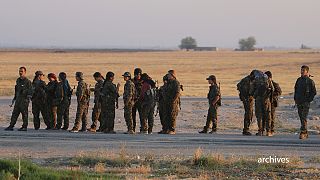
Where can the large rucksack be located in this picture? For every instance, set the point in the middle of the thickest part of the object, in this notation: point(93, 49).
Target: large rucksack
point(261, 84)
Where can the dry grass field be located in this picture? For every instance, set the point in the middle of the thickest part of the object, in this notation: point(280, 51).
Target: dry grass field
point(192, 67)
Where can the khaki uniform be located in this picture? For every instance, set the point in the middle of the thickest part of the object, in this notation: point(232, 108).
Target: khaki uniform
point(274, 103)
point(172, 101)
point(245, 87)
point(52, 103)
point(39, 100)
point(83, 104)
point(129, 95)
point(304, 92)
point(96, 111)
point(138, 104)
point(64, 93)
point(212, 111)
point(109, 97)
point(23, 93)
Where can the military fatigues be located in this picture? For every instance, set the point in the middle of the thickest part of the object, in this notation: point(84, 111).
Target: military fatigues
point(128, 98)
point(274, 103)
point(96, 113)
point(39, 100)
point(52, 103)
point(245, 87)
point(304, 92)
point(83, 99)
point(263, 105)
point(23, 93)
point(137, 105)
point(147, 106)
point(64, 93)
point(162, 108)
point(109, 96)
point(172, 101)
point(212, 111)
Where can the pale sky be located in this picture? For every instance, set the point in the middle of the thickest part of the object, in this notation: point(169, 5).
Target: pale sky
point(158, 23)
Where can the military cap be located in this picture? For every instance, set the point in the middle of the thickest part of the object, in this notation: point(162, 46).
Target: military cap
point(172, 73)
point(137, 71)
point(126, 74)
point(165, 77)
point(109, 74)
point(211, 77)
point(97, 74)
point(38, 73)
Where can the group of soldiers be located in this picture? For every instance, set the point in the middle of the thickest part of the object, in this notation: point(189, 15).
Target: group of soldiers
point(53, 100)
point(141, 94)
point(260, 89)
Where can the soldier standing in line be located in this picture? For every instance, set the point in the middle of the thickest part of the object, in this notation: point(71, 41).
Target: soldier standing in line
point(245, 87)
point(64, 93)
point(109, 102)
point(161, 106)
point(262, 90)
point(96, 113)
point(53, 101)
point(22, 96)
point(274, 100)
point(213, 97)
point(129, 95)
point(147, 99)
point(83, 98)
point(172, 99)
point(304, 92)
point(137, 106)
point(39, 100)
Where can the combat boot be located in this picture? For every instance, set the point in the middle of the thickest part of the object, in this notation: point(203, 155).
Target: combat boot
point(163, 132)
point(303, 136)
point(172, 132)
point(129, 132)
point(64, 128)
point(246, 133)
point(214, 130)
point(92, 130)
point(10, 128)
point(269, 134)
point(74, 130)
point(205, 130)
point(260, 133)
point(22, 129)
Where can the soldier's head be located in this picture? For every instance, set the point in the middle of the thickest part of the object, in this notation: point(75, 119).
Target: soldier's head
point(252, 75)
point(212, 79)
point(304, 70)
point(269, 74)
point(62, 76)
point(39, 75)
point(172, 74)
point(52, 77)
point(145, 77)
point(126, 76)
point(97, 76)
point(137, 73)
point(165, 79)
point(22, 72)
point(79, 76)
point(110, 76)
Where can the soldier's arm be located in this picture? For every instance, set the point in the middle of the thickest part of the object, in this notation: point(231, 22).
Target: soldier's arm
point(177, 92)
point(80, 91)
point(29, 90)
point(217, 97)
point(295, 90)
point(277, 91)
point(313, 89)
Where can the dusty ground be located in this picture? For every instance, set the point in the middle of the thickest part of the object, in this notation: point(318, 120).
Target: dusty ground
point(192, 67)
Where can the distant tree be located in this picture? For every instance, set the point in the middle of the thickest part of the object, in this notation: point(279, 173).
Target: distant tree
point(247, 44)
point(188, 43)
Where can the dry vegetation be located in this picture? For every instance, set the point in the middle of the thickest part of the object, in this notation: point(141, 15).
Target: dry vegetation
point(192, 67)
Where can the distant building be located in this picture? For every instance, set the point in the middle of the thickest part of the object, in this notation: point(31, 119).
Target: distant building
point(206, 49)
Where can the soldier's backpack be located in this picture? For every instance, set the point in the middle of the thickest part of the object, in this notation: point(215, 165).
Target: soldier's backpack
point(150, 95)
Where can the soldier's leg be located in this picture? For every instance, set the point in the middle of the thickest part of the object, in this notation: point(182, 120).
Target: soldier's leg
point(85, 118)
point(134, 116)
point(45, 116)
point(258, 112)
point(54, 115)
point(214, 118)
point(59, 116)
point(24, 112)
point(248, 113)
point(15, 114)
point(208, 122)
point(79, 114)
point(66, 116)
point(151, 119)
point(144, 118)
point(273, 117)
point(174, 114)
point(36, 115)
point(110, 118)
point(128, 117)
point(303, 110)
point(267, 115)
point(95, 116)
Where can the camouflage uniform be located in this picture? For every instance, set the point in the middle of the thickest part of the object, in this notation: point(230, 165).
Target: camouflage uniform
point(274, 103)
point(64, 93)
point(96, 113)
point(245, 87)
point(52, 103)
point(212, 111)
point(23, 93)
point(128, 98)
point(39, 99)
point(82, 107)
point(304, 92)
point(137, 105)
point(109, 96)
point(172, 101)
point(162, 110)
point(263, 105)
